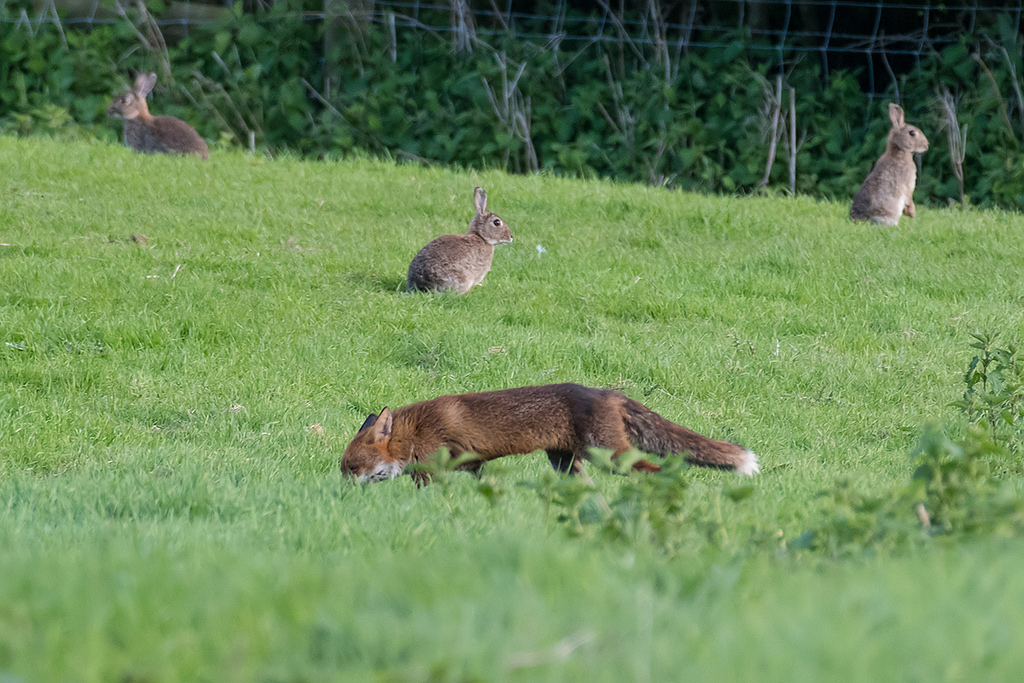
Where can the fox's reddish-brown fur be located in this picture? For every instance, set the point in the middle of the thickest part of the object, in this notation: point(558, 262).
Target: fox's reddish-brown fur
point(565, 420)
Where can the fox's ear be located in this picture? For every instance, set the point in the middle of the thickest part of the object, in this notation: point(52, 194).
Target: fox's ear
point(382, 426)
point(370, 419)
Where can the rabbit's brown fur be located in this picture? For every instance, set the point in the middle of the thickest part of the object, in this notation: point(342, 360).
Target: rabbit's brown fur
point(144, 132)
point(460, 262)
point(888, 190)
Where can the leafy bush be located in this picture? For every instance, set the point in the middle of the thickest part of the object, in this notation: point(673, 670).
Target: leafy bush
point(995, 390)
point(700, 121)
point(955, 488)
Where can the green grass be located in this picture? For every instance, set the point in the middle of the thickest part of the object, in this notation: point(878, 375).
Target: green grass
point(172, 413)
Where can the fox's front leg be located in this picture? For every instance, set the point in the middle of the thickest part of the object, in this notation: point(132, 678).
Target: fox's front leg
point(456, 451)
point(473, 467)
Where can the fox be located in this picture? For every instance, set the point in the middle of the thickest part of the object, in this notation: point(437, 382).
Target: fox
point(564, 420)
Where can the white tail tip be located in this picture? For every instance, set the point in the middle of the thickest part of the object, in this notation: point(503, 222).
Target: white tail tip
point(749, 466)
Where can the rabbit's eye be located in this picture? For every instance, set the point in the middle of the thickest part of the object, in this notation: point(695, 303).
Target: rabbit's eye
point(497, 222)
point(913, 133)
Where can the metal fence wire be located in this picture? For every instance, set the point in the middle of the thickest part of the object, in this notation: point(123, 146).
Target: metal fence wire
point(876, 37)
point(877, 42)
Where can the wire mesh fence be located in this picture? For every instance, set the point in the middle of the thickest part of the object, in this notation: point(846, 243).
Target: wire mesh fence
point(703, 95)
point(872, 36)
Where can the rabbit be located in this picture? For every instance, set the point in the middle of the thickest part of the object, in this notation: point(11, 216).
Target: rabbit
point(144, 132)
point(459, 262)
point(888, 190)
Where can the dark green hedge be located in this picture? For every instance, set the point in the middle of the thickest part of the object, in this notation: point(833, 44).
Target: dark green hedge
point(606, 110)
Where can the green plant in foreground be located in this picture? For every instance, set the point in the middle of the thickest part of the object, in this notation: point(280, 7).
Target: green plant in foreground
point(638, 509)
point(953, 489)
point(995, 389)
point(952, 492)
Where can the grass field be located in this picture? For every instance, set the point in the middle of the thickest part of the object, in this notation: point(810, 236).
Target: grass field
point(173, 407)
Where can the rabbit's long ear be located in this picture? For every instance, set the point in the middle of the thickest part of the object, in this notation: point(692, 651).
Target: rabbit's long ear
point(144, 83)
point(480, 201)
point(896, 115)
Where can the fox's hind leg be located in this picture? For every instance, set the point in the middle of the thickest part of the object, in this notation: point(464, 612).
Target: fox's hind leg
point(639, 465)
point(646, 466)
point(564, 461)
point(567, 461)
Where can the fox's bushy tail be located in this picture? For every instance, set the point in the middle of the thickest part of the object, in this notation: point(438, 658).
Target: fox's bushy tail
point(651, 433)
